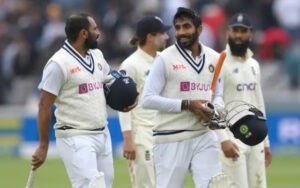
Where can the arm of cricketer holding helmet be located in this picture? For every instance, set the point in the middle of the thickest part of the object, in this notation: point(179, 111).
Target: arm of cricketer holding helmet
point(53, 79)
point(44, 120)
point(154, 85)
point(261, 107)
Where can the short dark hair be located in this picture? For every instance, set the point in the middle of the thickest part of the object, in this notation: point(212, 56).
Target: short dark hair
point(74, 24)
point(188, 13)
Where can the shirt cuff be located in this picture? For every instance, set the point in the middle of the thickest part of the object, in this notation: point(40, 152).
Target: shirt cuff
point(267, 142)
point(222, 135)
point(125, 121)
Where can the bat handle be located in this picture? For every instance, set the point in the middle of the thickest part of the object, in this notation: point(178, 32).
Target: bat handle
point(31, 178)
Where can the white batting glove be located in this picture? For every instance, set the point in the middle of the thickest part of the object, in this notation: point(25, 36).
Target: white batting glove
point(218, 117)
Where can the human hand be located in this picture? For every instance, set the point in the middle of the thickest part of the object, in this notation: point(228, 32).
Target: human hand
point(197, 107)
point(268, 156)
point(230, 149)
point(39, 157)
point(128, 146)
point(218, 117)
point(127, 109)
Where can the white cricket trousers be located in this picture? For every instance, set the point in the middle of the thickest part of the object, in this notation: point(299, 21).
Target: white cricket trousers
point(248, 170)
point(199, 155)
point(141, 169)
point(86, 155)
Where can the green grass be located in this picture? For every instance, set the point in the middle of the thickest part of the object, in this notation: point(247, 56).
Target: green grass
point(283, 173)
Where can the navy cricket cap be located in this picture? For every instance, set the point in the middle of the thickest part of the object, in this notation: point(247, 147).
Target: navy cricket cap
point(150, 24)
point(250, 129)
point(240, 19)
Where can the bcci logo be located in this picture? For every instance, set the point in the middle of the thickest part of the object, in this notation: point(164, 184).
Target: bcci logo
point(245, 131)
point(211, 68)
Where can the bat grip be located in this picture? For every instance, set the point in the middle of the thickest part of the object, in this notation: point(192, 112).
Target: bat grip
point(31, 178)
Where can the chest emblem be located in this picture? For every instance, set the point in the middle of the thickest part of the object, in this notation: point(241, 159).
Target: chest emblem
point(211, 68)
point(253, 70)
point(100, 66)
point(236, 70)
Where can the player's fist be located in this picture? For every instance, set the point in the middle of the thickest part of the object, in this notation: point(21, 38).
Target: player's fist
point(129, 151)
point(39, 157)
point(198, 107)
point(230, 149)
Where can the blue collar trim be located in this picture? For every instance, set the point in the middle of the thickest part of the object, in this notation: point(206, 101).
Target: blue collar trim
point(196, 66)
point(88, 66)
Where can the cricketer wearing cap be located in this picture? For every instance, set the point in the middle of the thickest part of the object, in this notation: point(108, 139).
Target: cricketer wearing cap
point(243, 164)
point(178, 85)
point(73, 79)
point(137, 125)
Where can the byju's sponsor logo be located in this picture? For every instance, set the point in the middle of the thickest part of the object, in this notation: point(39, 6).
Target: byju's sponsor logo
point(184, 86)
point(246, 87)
point(192, 86)
point(86, 87)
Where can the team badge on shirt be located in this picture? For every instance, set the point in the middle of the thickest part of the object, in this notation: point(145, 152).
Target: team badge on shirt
point(211, 68)
point(100, 66)
point(236, 70)
point(253, 70)
point(147, 155)
point(147, 72)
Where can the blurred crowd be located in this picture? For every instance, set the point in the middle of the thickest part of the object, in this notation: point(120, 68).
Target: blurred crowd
point(32, 30)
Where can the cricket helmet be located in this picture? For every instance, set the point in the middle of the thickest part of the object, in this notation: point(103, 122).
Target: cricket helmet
point(120, 90)
point(246, 122)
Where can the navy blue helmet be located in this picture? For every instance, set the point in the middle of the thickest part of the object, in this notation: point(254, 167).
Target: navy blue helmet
point(120, 90)
point(246, 122)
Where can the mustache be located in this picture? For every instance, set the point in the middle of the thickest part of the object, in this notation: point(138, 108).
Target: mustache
point(239, 40)
point(184, 36)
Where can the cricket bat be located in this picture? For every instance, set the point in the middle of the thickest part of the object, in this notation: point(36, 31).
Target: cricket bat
point(31, 178)
point(217, 71)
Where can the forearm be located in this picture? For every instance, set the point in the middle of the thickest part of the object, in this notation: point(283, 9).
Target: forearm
point(44, 117)
point(127, 135)
point(44, 120)
point(153, 88)
point(161, 103)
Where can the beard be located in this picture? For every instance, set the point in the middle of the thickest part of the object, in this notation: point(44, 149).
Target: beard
point(91, 43)
point(193, 38)
point(238, 49)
